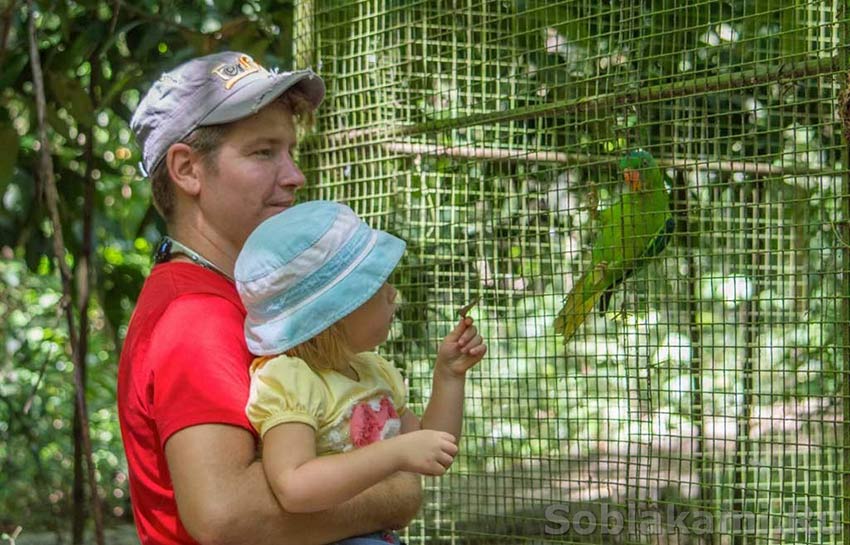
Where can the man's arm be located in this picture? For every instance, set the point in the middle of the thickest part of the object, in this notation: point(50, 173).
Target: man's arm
point(223, 496)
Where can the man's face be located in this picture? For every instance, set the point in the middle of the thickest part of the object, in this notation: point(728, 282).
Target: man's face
point(255, 176)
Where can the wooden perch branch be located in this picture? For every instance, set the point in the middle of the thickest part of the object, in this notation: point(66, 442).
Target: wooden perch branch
point(487, 154)
point(758, 170)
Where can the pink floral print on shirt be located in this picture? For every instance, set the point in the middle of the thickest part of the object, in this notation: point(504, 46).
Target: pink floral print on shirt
point(371, 421)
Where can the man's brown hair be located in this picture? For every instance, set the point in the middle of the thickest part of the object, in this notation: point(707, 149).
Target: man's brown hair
point(206, 141)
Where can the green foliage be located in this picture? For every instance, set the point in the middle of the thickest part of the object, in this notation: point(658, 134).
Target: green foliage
point(37, 410)
point(97, 62)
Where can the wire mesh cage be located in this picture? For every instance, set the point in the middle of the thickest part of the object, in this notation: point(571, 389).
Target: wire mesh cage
point(699, 395)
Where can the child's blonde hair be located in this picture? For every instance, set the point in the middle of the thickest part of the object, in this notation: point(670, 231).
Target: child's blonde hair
point(327, 350)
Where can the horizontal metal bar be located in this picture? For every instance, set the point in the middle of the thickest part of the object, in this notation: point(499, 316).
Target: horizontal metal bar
point(757, 76)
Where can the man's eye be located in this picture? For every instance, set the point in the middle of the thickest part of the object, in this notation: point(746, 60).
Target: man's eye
point(265, 152)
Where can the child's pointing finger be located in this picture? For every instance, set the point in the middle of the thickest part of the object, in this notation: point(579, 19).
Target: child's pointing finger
point(459, 330)
point(468, 335)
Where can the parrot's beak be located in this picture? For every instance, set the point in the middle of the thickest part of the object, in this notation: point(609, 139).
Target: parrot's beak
point(632, 178)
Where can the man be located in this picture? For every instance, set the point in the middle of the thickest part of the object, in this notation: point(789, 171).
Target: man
point(217, 135)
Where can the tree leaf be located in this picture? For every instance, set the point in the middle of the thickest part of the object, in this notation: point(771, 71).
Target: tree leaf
point(37, 246)
point(12, 69)
point(70, 94)
point(120, 82)
point(118, 34)
point(9, 157)
point(59, 125)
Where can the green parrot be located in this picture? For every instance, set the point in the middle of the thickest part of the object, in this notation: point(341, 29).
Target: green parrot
point(635, 228)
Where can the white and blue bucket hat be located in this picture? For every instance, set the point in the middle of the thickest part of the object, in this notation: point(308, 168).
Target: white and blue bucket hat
point(306, 268)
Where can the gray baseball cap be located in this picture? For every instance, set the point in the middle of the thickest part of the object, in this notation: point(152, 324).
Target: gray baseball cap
point(210, 90)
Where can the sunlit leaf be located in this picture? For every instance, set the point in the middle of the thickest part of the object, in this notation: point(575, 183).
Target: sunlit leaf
point(70, 94)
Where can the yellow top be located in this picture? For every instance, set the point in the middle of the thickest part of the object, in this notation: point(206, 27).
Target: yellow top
point(345, 413)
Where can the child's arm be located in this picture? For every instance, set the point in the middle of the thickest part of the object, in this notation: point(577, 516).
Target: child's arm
point(460, 350)
point(304, 483)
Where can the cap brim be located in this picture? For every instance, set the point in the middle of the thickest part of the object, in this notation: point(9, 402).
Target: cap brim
point(262, 91)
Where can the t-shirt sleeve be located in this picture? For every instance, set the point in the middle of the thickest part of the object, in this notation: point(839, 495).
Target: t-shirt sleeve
point(285, 390)
point(200, 365)
point(393, 378)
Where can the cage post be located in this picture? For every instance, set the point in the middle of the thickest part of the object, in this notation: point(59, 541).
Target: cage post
point(749, 319)
point(844, 109)
point(682, 215)
point(305, 41)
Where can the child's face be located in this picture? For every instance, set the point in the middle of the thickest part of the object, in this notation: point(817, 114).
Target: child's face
point(369, 325)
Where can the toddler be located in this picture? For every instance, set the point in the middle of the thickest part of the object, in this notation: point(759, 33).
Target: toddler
point(331, 412)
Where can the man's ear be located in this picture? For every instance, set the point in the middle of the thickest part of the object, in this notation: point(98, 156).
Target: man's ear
point(184, 165)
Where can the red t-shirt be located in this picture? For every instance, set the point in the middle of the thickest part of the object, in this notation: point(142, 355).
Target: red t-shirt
point(184, 363)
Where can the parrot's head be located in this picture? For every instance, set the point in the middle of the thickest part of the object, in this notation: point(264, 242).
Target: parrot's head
point(640, 170)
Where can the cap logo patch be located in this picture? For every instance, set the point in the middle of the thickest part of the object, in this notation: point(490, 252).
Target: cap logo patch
point(232, 73)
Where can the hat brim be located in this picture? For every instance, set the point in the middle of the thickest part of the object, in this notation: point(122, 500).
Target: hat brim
point(261, 91)
point(277, 335)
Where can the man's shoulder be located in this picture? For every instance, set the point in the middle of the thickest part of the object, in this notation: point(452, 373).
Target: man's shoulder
point(171, 284)
point(181, 300)
point(188, 278)
point(184, 327)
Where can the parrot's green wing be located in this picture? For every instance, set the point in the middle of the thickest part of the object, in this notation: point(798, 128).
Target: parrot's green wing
point(659, 242)
point(580, 300)
point(633, 229)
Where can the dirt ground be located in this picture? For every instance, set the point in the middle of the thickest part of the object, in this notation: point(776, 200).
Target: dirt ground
point(119, 535)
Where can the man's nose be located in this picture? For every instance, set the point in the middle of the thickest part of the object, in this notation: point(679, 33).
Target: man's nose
point(289, 174)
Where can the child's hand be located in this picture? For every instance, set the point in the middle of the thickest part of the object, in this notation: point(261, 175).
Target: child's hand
point(427, 452)
point(461, 349)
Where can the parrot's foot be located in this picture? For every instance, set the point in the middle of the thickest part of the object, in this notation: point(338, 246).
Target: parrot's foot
point(632, 315)
point(598, 273)
point(593, 204)
point(621, 315)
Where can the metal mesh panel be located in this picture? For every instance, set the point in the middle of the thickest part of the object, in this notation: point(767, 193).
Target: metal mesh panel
point(707, 403)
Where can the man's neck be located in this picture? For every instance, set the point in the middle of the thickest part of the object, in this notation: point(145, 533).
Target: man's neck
point(205, 243)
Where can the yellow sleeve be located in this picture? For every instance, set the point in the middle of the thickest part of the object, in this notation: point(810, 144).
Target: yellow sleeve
point(285, 390)
point(393, 377)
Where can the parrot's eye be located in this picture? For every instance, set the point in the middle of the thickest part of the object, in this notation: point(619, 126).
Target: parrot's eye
point(644, 162)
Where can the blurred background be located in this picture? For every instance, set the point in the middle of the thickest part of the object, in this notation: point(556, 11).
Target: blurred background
point(707, 404)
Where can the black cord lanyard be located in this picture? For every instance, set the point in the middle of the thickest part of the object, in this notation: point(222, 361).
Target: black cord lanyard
point(168, 248)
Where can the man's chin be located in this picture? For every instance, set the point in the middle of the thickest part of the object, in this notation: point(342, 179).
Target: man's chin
point(274, 210)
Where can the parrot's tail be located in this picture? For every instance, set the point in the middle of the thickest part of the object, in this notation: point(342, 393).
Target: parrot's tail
point(580, 301)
